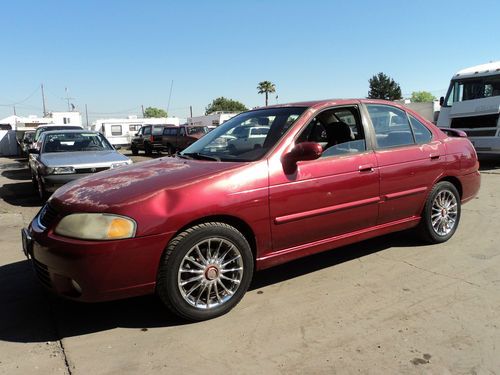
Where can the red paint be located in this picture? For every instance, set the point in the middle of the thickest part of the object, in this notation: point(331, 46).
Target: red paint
point(292, 210)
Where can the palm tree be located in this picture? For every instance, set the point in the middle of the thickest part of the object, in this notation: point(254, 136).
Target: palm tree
point(266, 87)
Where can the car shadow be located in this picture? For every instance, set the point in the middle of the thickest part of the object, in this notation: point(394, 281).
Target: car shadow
point(20, 194)
point(489, 162)
point(30, 314)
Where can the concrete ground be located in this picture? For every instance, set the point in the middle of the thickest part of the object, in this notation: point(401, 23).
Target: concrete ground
point(385, 306)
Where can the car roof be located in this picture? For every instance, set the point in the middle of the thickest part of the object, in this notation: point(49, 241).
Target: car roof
point(70, 131)
point(318, 104)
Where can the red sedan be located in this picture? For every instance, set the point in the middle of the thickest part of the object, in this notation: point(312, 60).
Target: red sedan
point(194, 228)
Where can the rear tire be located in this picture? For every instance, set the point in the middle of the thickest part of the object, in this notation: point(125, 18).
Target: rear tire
point(441, 213)
point(205, 271)
point(42, 193)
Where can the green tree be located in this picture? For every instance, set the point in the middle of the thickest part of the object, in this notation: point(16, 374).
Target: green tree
point(222, 104)
point(266, 87)
point(384, 87)
point(154, 112)
point(422, 97)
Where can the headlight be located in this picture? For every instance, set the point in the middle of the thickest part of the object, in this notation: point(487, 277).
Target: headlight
point(120, 164)
point(60, 170)
point(96, 227)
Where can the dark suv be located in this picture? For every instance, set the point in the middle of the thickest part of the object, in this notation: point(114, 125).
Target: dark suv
point(148, 139)
point(177, 138)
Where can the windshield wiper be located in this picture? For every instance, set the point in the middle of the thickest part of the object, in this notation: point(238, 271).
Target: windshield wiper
point(197, 155)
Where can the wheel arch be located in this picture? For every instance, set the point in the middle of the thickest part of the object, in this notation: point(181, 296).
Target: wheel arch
point(233, 221)
point(455, 182)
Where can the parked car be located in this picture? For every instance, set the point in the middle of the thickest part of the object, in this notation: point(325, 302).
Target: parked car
point(148, 139)
point(66, 155)
point(246, 138)
point(26, 141)
point(194, 228)
point(177, 138)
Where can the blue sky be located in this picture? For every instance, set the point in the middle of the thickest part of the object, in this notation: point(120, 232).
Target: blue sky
point(116, 55)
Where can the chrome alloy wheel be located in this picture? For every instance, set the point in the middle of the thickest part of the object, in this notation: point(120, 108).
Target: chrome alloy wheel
point(210, 273)
point(444, 212)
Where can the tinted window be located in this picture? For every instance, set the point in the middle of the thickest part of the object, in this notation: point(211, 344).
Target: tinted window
point(116, 130)
point(70, 142)
point(146, 130)
point(158, 130)
point(391, 126)
point(420, 131)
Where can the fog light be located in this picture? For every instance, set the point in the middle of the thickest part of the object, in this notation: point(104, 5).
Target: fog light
point(76, 286)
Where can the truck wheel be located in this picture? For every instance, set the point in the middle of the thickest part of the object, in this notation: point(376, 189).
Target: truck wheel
point(147, 149)
point(134, 150)
point(441, 213)
point(42, 193)
point(205, 271)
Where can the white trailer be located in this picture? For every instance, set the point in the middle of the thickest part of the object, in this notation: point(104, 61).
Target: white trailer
point(212, 120)
point(472, 104)
point(120, 131)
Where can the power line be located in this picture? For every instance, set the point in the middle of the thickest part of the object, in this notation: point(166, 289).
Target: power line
point(22, 101)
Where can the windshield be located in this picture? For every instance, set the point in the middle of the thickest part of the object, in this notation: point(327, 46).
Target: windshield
point(246, 137)
point(472, 88)
point(71, 142)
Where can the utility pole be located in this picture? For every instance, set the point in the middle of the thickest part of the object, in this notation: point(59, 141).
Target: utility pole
point(87, 116)
point(191, 110)
point(43, 102)
point(15, 114)
point(142, 107)
point(68, 98)
point(169, 96)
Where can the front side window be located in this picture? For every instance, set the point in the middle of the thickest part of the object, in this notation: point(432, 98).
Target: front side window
point(234, 140)
point(146, 130)
point(391, 126)
point(158, 130)
point(338, 130)
point(472, 88)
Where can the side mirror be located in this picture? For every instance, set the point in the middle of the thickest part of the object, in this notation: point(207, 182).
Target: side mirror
point(34, 151)
point(441, 100)
point(302, 151)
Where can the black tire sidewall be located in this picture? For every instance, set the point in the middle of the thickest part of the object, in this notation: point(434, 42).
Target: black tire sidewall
point(168, 287)
point(430, 233)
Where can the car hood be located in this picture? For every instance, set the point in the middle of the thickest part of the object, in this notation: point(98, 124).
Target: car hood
point(117, 189)
point(82, 158)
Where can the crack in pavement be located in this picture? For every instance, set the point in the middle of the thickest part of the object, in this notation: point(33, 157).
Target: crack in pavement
point(429, 271)
point(58, 335)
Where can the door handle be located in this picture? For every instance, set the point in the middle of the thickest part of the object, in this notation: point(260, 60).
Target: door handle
point(366, 168)
point(434, 156)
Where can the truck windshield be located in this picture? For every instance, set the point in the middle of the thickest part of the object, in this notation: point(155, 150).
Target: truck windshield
point(246, 137)
point(472, 88)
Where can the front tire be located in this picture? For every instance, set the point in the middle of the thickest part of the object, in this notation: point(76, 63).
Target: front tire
point(441, 213)
point(134, 150)
point(205, 271)
point(148, 150)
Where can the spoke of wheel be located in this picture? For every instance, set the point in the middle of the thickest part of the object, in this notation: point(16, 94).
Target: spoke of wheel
point(216, 255)
point(199, 295)
point(231, 270)
point(229, 261)
point(227, 252)
point(192, 260)
point(193, 288)
point(236, 281)
point(185, 282)
point(191, 271)
point(201, 255)
point(224, 287)
point(209, 256)
point(216, 289)
point(209, 289)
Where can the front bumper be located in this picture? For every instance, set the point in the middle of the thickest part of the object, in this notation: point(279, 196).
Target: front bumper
point(53, 182)
point(486, 145)
point(93, 271)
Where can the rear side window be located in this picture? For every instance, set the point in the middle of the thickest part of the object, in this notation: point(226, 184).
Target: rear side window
point(420, 131)
point(391, 126)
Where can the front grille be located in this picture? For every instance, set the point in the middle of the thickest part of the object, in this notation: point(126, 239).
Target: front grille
point(482, 133)
point(42, 272)
point(91, 170)
point(47, 215)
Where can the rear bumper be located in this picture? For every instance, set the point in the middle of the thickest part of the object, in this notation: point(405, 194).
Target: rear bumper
point(470, 185)
point(101, 270)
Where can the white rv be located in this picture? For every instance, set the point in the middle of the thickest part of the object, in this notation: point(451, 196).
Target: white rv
point(472, 104)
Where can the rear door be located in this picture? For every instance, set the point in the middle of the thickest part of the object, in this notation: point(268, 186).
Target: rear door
point(409, 161)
